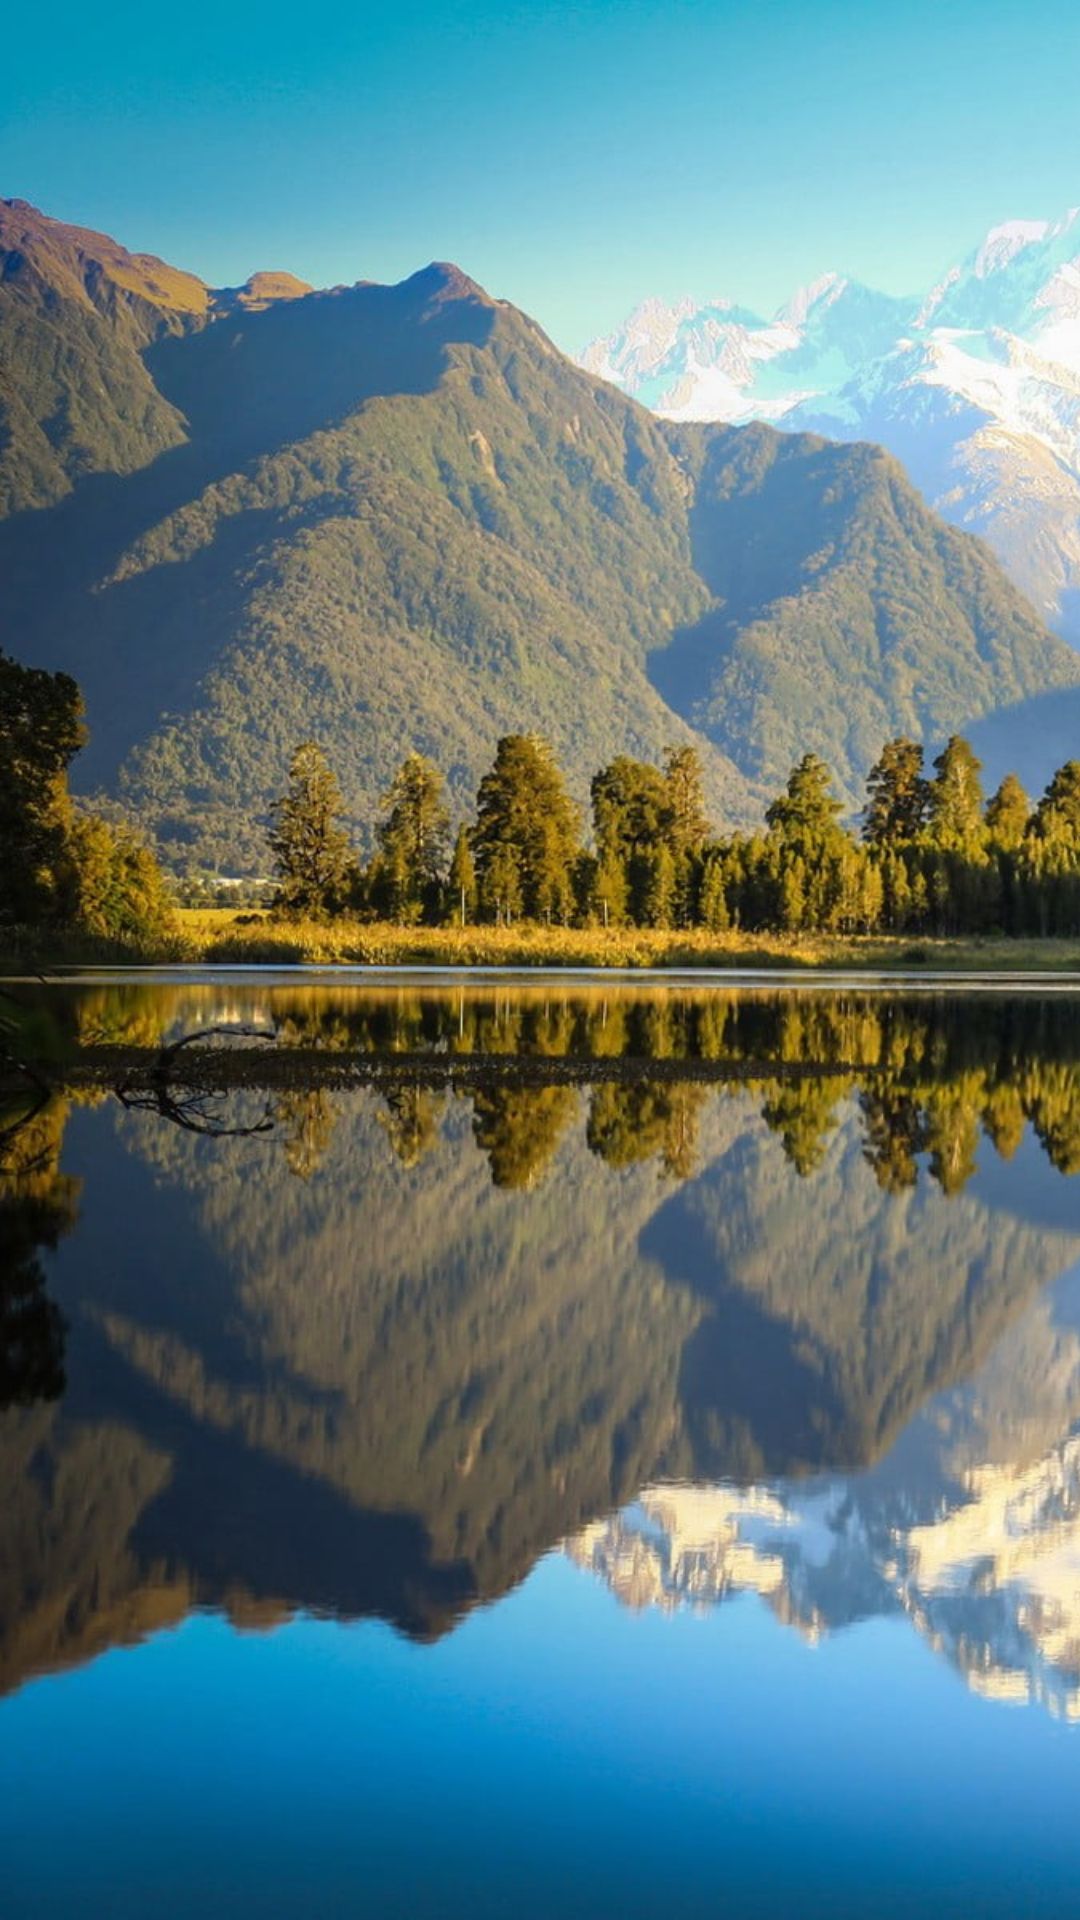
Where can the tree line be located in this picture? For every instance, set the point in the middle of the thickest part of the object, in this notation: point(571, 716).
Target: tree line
point(931, 853)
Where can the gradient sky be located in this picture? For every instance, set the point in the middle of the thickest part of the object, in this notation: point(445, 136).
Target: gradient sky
point(570, 157)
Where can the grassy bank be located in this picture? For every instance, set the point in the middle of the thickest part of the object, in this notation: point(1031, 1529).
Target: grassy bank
point(219, 936)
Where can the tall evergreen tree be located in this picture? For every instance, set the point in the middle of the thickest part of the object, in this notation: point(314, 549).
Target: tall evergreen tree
point(1007, 813)
point(687, 823)
point(313, 859)
point(955, 808)
point(526, 838)
point(805, 817)
point(630, 804)
point(1059, 809)
point(407, 871)
point(461, 881)
point(896, 794)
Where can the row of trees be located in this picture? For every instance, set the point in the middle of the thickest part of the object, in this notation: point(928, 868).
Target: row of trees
point(932, 855)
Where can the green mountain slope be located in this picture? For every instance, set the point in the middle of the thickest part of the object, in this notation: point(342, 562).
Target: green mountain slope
point(397, 516)
point(76, 313)
point(845, 611)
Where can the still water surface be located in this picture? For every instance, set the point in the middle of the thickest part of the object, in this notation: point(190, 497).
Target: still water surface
point(548, 1450)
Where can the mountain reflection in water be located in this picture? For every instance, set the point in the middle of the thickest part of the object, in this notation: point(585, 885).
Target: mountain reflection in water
point(729, 1291)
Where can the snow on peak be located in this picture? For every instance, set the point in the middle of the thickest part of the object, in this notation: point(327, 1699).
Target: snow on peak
point(819, 294)
point(1002, 244)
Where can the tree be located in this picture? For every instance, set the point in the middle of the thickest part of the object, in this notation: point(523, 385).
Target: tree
point(955, 808)
point(406, 874)
point(461, 882)
point(630, 805)
point(526, 837)
point(313, 859)
point(805, 816)
point(1007, 813)
point(687, 825)
point(1059, 809)
point(117, 890)
point(896, 794)
point(41, 730)
point(713, 911)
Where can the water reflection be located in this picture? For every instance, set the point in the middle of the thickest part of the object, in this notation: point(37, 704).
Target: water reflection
point(970, 1529)
point(775, 1281)
point(37, 1206)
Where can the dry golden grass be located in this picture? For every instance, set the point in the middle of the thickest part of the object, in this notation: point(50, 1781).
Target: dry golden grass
point(218, 934)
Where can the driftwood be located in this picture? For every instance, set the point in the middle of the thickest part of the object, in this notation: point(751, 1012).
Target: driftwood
point(189, 1107)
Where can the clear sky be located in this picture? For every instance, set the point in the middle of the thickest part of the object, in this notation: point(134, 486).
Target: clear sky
point(570, 157)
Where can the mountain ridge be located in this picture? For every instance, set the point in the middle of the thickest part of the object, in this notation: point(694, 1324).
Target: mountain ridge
point(398, 517)
point(975, 385)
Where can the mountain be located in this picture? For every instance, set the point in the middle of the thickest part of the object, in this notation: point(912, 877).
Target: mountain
point(974, 385)
point(396, 517)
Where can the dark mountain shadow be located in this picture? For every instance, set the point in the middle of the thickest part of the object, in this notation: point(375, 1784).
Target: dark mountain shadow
point(1031, 739)
point(753, 1395)
point(253, 382)
point(241, 1520)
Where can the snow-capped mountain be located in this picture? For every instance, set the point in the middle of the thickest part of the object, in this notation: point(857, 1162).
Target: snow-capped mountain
point(975, 386)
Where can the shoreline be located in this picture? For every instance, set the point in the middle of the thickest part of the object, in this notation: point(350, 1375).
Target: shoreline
point(863, 978)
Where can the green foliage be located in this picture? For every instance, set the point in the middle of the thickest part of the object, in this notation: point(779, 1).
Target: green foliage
point(313, 858)
point(804, 817)
point(955, 799)
point(1058, 812)
point(61, 868)
point(526, 836)
point(119, 893)
point(41, 730)
point(686, 820)
point(405, 880)
point(461, 891)
point(1007, 813)
point(897, 795)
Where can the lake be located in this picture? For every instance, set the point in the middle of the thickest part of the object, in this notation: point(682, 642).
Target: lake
point(552, 1448)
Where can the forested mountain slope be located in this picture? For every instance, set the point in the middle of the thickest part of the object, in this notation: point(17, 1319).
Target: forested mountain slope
point(396, 517)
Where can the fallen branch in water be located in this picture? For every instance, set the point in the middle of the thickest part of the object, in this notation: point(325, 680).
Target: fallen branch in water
point(189, 1109)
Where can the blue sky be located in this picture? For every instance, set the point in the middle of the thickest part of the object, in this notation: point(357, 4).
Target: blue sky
point(571, 157)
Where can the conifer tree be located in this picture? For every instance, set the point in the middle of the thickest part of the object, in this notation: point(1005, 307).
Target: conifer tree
point(313, 859)
point(955, 806)
point(896, 794)
point(805, 816)
point(407, 873)
point(687, 824)
point(713, 909)
point(1007, 813)
point(461, 882)
point(658, 887)
point(1058, 811)
point(526, 839)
